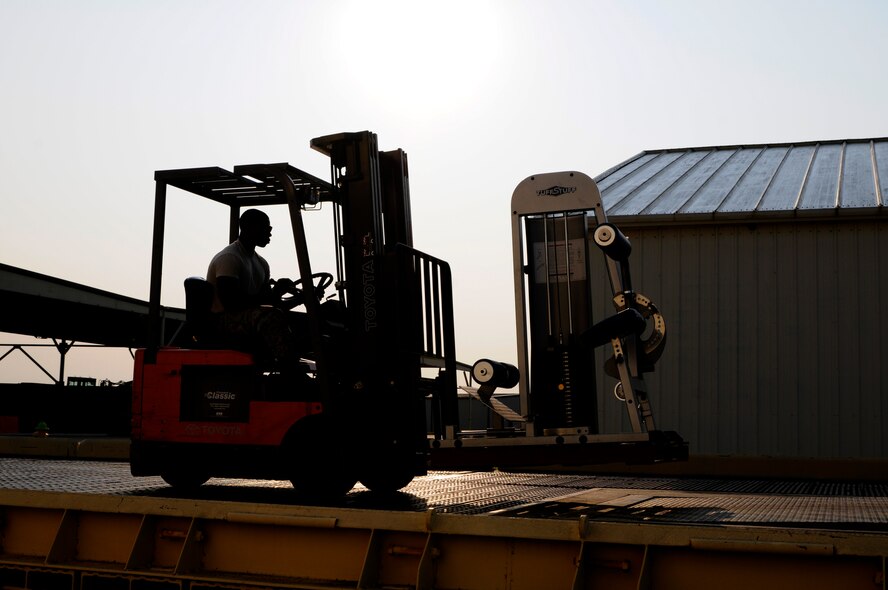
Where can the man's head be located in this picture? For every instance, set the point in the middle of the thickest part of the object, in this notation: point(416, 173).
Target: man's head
point(255, 228)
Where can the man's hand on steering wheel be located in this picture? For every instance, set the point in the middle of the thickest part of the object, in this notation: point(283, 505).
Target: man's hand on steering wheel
point(285, 295)
point(290, 294)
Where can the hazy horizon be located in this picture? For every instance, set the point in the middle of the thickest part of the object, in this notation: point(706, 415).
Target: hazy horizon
point(100, 94)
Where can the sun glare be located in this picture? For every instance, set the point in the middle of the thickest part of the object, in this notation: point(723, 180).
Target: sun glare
point(419, 57)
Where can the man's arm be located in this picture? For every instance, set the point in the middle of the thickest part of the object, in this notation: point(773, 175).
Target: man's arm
point(231, 294)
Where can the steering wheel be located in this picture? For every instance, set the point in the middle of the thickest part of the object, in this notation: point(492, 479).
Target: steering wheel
point(292, 293)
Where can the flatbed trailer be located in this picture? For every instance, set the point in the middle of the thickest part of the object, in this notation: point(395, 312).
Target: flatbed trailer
point(92, 526)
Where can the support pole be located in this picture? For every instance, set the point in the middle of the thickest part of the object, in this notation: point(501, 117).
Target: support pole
point(63, 347)
point(154, 319)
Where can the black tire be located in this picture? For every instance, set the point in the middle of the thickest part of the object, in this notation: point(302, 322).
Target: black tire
point(184, 480)
point(385, 480)
point(319, 463)
point(388, 470)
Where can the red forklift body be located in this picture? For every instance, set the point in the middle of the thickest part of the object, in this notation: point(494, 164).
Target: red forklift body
point(211, 397)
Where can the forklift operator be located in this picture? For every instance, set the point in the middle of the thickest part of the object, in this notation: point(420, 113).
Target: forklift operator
point(245, 302)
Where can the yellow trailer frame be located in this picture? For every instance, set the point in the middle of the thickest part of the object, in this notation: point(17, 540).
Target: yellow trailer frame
point(51, 540)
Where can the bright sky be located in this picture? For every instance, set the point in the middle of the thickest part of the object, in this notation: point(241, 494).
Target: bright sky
point(97, 95)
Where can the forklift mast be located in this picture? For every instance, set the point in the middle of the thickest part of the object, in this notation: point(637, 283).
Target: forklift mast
point(398, 300)
point(370, 221)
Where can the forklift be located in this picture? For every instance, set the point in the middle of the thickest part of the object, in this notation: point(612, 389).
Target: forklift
point(376, 399)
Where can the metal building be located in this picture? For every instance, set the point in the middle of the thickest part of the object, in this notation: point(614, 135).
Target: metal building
point(770, 265)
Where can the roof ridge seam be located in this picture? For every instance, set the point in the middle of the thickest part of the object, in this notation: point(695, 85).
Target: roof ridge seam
point(798, 199)
point(677, 180)
point(841, 179)
point(620, 181)
point(634, 191)
point(761, 198)
point(876, 179)
point(740, 178)
point(683, 208)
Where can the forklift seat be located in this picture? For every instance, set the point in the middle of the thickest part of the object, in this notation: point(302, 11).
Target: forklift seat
point(201, 324)
point(198, 302)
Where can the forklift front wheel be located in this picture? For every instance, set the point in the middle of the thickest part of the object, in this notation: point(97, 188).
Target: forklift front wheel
point(318, 461)
point(388, 471)
point(184, 480)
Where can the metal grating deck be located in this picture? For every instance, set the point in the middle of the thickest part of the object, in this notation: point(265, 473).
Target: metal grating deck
point(849, 506)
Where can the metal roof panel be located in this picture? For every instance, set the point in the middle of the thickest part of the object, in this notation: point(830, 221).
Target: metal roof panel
point(620, 171)
point(788, 182)
point(880, 151)
point(714, 193)
point(750, 187)
point(661, 184)
point(858, 188)
point(810, 179)
point(684, 180)
point(821, 191)
point(626, 187)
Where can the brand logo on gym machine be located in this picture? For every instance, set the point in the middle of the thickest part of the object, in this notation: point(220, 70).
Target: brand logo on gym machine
point(556, 191)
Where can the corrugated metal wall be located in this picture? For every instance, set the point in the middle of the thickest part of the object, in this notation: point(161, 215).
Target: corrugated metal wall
point(776, 336)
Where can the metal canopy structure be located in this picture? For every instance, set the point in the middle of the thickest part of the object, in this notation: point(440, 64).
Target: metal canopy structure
point(71, 314)
point(844, 178)
point(50, 307)
point(248, 186)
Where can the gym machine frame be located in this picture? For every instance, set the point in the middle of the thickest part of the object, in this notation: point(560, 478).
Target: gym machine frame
point(556, 422)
